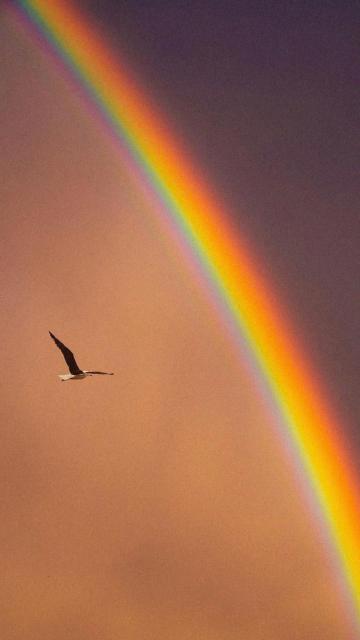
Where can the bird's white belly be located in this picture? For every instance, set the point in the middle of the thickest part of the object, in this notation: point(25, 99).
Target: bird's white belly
point(70, 376)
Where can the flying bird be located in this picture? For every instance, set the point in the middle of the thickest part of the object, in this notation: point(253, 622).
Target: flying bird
point(75, 372)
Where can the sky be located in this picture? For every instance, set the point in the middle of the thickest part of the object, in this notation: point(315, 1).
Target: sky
point(162, 502)
point(267, 94)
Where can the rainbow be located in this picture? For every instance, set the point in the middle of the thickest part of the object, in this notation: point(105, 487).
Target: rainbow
point(231, 269)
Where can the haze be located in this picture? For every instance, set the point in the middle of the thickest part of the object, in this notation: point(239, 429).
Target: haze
point(160, 503)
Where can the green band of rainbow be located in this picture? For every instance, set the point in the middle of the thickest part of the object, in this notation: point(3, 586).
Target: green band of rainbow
point(249, 297)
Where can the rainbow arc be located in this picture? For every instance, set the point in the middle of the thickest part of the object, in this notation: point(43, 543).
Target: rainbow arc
point(246, 296)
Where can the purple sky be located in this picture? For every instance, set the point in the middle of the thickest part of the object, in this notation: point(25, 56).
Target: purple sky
point(264, 95)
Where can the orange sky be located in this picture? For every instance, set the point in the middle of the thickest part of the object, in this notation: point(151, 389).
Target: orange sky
point(158, 503)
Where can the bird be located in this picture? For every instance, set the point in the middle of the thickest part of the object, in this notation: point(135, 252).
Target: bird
point(75, 372)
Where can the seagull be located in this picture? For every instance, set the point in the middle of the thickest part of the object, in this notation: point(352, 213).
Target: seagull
point(75, 372)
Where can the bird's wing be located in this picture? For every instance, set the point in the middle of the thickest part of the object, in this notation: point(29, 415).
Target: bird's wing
point(68, 355)
point(100, 373)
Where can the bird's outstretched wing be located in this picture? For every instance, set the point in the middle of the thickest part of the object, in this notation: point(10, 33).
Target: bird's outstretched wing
point(100, 373)
point(68, 355)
